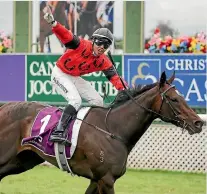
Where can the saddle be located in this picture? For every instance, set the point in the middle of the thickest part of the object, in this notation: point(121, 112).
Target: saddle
point(45, 122)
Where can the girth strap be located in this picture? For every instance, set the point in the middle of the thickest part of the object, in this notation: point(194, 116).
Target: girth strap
point(61, 158)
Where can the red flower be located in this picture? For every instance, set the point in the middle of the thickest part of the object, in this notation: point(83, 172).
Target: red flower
point(204, 49)
point(147, 45)
point(190, 39)
point(157, 30)
point(168, 43)
point(162, 44)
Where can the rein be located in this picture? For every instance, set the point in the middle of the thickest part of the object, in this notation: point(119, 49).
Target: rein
point(113, 136)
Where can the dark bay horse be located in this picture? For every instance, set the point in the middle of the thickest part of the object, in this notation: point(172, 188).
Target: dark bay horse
point(101, 155)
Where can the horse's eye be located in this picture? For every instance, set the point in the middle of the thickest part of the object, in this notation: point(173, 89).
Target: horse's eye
point(174, 100)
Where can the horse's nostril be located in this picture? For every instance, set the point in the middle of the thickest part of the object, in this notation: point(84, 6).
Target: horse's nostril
point(198, 124)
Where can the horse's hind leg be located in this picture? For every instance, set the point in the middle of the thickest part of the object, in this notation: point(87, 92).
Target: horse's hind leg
point(22, 162)
point(12, 167)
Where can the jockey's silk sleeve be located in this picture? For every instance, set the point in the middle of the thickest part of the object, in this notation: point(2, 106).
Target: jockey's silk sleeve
point(66, 36)
point(112, 76)
point(116, 81)
point(109, 73)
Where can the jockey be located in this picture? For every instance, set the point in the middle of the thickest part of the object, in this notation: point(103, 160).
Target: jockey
point(80, 58)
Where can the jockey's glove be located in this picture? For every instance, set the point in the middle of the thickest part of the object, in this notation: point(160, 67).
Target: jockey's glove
point(49, 17)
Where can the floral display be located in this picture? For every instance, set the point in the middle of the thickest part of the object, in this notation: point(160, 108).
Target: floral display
point(182, 44)
point(5, 42)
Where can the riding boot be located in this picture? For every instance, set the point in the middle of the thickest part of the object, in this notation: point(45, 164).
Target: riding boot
point(58, 135)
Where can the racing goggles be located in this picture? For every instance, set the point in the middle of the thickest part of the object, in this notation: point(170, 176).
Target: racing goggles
point(106, 43)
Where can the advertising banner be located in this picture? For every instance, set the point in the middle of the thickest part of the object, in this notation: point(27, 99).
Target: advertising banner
point(12, 78)
point(190, 73)
point(39, 69)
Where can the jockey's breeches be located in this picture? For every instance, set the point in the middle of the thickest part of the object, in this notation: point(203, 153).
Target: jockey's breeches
point(74, 89)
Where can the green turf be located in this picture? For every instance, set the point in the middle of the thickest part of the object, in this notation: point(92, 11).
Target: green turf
point(49, 180)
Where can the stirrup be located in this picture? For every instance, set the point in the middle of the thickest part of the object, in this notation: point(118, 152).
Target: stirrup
point(60, 140)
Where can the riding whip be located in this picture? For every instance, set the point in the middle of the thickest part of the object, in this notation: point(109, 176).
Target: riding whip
point(111, 59)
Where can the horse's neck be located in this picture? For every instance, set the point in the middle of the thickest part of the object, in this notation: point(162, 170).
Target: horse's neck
point(134, 119)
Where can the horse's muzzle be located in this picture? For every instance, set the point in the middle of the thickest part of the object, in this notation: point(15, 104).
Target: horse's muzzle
point(196, 127)
point(199, 124)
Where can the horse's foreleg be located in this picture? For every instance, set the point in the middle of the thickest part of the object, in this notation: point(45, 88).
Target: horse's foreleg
point(106, 184)
point(99, 188)
point(92, 188)
point(107, 190)
point(103, 188)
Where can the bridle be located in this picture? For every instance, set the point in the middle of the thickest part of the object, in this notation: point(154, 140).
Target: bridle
point(164, 98)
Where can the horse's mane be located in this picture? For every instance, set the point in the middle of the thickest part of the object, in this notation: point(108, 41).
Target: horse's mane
point(137, 90)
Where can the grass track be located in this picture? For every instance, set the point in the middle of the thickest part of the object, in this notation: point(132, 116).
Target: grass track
point(47, 180)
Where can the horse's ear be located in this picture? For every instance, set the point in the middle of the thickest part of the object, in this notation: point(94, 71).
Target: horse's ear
point(162, 79)
point(170, 81)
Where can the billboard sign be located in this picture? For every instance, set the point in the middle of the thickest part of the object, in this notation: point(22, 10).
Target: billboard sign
point(12, 78)
point(39, 88)
point(190, 73)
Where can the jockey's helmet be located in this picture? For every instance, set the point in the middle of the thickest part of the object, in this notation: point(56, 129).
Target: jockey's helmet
point(103, 33)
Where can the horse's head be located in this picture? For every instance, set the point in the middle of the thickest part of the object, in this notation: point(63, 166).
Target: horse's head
point(173, 108)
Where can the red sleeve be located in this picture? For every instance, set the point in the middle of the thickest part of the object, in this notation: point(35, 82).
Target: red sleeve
point(116, 81)
point(112, 75)
point(62, 33)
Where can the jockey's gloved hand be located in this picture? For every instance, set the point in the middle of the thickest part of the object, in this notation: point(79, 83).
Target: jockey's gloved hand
point(48, 16)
